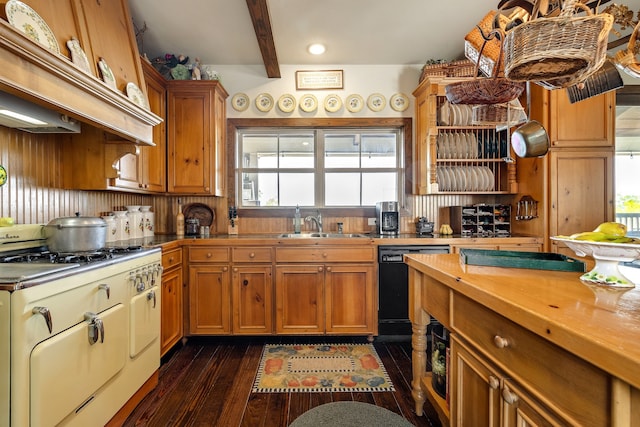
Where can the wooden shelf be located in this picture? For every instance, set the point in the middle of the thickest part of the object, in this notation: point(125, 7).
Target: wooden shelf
point(440, 405)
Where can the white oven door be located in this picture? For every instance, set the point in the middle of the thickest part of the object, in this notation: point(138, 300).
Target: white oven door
point(66, 370)
point(145, 320)
point(5, 351)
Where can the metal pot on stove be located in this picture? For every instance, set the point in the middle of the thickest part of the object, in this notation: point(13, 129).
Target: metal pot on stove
point(76, 234)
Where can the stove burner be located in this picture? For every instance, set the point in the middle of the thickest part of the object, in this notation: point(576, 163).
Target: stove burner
point(43, 255)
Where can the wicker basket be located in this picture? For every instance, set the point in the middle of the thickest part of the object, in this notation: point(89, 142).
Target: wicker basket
point(559, 51)
point(510, 113)
point(461, 68)
point(625, 59)
point(480, 90)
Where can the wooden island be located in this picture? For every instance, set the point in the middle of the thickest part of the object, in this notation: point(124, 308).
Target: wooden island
point(527, 347)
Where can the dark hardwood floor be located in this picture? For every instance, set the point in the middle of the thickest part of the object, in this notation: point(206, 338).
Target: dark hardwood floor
point(208, 381)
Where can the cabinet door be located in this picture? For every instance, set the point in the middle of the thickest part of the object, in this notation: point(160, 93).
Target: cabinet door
point(588, 123)
point(171, 324)
point(219, 143)
point(519, 409)
point(581, 192)
point(252, 299)
point(350, 299)
point(154, 165)
point(209, 300)
point(299, 299)
point(475, 388)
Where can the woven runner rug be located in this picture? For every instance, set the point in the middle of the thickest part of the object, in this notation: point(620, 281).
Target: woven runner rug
point(321, 368)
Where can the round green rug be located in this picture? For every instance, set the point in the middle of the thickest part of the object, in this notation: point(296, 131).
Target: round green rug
point(349, 414)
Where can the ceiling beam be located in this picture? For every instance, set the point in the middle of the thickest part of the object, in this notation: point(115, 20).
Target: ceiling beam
point(262, 25)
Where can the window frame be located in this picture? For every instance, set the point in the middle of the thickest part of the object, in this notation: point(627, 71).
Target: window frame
point(402, 124)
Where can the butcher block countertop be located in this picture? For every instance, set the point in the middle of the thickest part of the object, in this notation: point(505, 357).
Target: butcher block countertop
point(554, 305)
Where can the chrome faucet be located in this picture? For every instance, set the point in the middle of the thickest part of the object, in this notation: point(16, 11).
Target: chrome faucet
point(317, 219)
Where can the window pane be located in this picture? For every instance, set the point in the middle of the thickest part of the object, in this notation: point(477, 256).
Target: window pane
point(259, 151)
point(342, 189)
point(265, 186)
point(377, 187)
point(297, 189)
point(342, 151)
point(379, 151)
point(297, 151)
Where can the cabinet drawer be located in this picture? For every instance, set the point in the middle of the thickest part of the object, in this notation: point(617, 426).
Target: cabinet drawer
point(171, 258)
point(325, 254)
point(257, 254)
point(208, 254)
point(572, 386)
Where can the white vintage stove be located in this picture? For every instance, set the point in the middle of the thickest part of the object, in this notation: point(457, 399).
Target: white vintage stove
point(79, 333)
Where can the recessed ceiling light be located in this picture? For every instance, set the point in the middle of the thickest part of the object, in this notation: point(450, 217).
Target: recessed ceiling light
point(316, 49)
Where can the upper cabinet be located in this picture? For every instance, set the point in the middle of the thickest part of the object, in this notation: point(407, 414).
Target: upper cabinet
point(104, 30)
point(196, 137)
point(452, 155)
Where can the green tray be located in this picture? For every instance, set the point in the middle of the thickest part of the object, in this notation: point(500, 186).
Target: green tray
point(516, 259)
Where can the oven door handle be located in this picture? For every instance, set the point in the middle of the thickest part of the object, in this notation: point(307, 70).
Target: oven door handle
point(44, 311)
point(96, 328)
point(152, 296)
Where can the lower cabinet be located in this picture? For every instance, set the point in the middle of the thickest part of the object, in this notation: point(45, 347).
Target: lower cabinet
point(523, 247)
point(252, 291)
point(171, 301)
point(209, 291)
point(337, 298)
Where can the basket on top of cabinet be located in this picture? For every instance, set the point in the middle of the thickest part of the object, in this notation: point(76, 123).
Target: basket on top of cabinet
point(454, 155)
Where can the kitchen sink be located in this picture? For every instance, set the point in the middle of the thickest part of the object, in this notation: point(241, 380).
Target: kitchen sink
point(320, 235)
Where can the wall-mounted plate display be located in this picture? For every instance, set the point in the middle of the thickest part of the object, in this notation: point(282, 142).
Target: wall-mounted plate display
point(376, 102)
point(107, 74)
point(264, 102)
point(135, 94)
point(240, 102)
point(287, 103)
point(399, 102)
point(354, 103)
point(308, 103)
point(332, 103)
point(31, 24)
point(78, 57)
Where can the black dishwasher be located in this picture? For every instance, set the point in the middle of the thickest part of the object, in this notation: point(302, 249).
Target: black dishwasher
point(393, 288)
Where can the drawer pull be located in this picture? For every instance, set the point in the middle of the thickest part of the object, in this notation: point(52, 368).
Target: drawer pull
point(252, 255)
point(500, 342)
point(209, 254)
point(494, 383)
point(509, 397)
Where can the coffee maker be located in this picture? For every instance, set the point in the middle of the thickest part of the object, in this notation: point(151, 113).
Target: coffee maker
point(387, 218)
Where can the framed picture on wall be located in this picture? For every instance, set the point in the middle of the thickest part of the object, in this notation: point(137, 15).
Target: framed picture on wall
point(312, 80)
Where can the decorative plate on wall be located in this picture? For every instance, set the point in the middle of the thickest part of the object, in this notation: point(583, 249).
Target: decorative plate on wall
point(264, 102)
point(107, 74)
point(308, 103)
point(240, 102)
point(287, 103)
point(399, 102)
point(135, 94)
point(376, 102)
point(31, 24)
point(78, 57)
point(354, 103)
point(332, 103)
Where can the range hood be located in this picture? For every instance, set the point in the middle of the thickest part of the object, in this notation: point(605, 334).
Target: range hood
point(21, 114)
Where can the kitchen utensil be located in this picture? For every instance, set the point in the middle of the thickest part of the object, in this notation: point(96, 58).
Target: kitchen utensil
point(530, 140)
point(192, 226)
point(607, 78)
point(76, 234)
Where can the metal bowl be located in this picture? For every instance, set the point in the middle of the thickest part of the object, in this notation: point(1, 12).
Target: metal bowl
point(530, 140)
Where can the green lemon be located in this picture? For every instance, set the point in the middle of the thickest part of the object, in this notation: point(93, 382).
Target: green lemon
point(6, 221)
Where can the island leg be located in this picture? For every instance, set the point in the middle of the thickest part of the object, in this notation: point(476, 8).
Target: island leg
point(418, 364)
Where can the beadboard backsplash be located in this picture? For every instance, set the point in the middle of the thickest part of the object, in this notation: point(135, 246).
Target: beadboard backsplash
point(34, 194)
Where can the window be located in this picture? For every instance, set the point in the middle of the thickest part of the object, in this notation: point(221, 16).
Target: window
point(321, 167)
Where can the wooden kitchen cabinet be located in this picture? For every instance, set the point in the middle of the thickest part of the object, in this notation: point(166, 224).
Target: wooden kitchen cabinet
point(146, 170)
point(196, 137)
point(209, 291)
point(523, 247)
point(252, 290)
point(452, 155)
point(573, 183)
point(171, 327)
point(337, 296)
